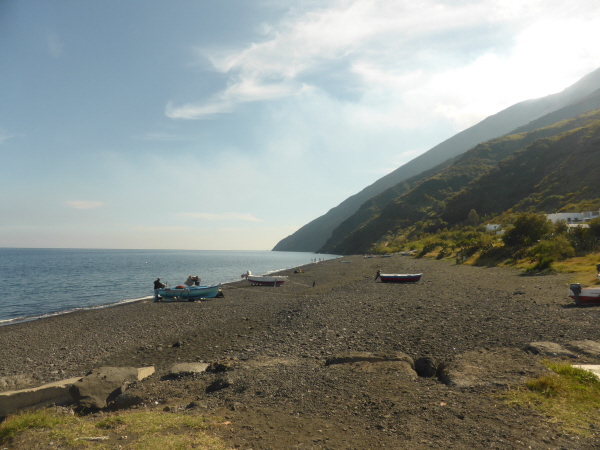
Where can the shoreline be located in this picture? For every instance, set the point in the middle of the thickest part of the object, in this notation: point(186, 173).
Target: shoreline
point(27, 319)
point(277, 342)
point(130, 320)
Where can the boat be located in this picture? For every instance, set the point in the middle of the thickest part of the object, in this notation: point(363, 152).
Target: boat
point(398, 277)
point(265, 280)
point(188, 293)
point(584, 296)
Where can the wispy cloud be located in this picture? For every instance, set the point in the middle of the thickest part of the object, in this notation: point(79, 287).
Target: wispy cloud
point(4, 136)
point(224, 216)
point(385, 46)
point(85, 204)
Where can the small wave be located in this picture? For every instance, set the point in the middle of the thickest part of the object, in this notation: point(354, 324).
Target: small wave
point(24, 319)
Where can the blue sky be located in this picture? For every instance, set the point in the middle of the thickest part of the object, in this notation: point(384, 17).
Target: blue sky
point(229, 124)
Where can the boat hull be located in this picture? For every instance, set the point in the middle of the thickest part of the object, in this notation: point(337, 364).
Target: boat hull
point(189, 294)
point(588, 296)
point(400, 277)
point(266, 280)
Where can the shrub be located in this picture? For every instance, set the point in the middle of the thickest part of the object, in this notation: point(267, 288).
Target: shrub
point(558, 248)
point(527, 229)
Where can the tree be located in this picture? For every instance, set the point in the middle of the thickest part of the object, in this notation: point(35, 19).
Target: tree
point(561, 227)
point(473, 218)
point(527, 230)
point(595, 227)
point(583, 239)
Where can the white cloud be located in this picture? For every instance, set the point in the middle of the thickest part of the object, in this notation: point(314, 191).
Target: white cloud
point(87, 204)
point(399, 52)
point(191, 111)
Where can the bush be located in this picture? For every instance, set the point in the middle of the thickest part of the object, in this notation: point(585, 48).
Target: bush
point(557, 248)
point(527, 229)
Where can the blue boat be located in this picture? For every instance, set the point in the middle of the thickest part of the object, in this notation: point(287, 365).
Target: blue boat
point(188, 294)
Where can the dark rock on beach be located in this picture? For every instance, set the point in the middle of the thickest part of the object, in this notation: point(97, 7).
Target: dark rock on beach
point(333, 359)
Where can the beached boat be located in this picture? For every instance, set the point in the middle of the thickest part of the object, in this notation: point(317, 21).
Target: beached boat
point(398, 277)
point(185, 293)
point(584, 296)
point(266, 280)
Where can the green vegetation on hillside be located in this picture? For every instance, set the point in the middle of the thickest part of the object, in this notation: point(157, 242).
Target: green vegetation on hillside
point(530, 241)
point(547, 170)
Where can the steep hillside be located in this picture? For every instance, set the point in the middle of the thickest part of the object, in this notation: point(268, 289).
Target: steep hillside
point(546, 176)
point(448, 195)
point(315, 234)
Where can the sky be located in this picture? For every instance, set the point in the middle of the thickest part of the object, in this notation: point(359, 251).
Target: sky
point(229, 124)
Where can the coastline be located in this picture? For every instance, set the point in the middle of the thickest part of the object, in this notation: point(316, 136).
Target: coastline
point(287, 333)
point(25, 319)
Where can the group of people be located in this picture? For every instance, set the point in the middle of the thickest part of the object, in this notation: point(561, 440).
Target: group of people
point(191, 281)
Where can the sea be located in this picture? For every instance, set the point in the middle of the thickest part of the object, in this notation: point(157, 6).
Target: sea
point(41, 283)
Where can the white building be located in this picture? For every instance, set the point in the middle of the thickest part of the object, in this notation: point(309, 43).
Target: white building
point(494, 228)
point(574, 218)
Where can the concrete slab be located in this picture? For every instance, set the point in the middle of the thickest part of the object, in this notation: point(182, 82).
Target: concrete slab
point(144, 372)
point(187, 368)
point(47, 394)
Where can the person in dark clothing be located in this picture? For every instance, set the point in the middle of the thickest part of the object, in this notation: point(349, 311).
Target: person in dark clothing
point(157, 285)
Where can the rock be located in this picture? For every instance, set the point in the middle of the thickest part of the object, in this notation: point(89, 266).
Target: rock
point(182, 369)
point(102, 386)
point(355, 357)
point(126, 401)
point(549, 349)
point(197, 404)
point(586, 347)
point(496, 367)
point(221, 366)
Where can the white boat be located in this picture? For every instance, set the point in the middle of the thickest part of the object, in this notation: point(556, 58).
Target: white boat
point(265, 280)
point(584, 296)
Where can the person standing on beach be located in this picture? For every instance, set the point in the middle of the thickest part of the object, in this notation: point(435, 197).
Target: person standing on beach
point(157, 285)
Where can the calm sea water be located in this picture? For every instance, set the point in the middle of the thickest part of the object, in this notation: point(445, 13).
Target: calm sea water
point(44, 282)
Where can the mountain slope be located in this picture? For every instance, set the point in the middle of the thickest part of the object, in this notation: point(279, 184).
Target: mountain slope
point(544, 177)
point(315, 234)
point(466, 167)
point(508, 172)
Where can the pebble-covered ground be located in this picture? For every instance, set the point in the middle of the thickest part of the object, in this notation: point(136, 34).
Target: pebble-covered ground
point(280, 393)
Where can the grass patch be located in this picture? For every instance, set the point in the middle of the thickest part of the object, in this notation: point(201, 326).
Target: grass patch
point(569, 396)
point(582, 267)
point(145, 430)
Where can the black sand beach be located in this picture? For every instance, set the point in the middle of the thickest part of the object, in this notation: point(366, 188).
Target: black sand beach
point(281, 393)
